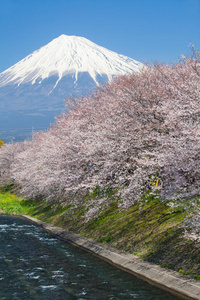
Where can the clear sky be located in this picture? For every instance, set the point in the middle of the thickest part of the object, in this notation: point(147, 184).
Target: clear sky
point(145, 30)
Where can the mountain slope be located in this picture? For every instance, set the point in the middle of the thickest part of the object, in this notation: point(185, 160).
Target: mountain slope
point(33, 91)
point(68, 55)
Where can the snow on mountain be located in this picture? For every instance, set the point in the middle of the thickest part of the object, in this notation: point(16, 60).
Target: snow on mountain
point(68, 55)
point(33, 91)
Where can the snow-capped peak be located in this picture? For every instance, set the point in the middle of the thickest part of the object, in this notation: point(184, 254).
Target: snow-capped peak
point(69, 55)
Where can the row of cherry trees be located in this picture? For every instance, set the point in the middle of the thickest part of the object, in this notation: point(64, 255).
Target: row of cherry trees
point(139, 132)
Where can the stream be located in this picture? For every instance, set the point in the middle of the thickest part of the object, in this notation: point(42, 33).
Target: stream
point(35, 265)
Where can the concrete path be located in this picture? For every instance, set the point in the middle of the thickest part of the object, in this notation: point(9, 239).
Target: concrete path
point(171, 281)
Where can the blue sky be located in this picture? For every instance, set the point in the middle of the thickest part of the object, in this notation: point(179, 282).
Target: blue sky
point(145, 30)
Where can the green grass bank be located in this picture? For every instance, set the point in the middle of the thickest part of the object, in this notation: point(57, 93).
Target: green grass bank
point(151, 229)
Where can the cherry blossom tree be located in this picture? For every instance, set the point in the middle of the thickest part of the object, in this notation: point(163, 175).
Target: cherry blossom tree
point(139, 132)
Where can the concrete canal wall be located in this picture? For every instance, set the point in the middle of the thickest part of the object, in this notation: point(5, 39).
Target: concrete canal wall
point(171, 281)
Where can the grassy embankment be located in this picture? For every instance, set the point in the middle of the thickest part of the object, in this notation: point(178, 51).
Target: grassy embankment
point(150, 229)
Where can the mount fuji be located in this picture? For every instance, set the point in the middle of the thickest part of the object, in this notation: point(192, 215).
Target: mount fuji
point(33, 91)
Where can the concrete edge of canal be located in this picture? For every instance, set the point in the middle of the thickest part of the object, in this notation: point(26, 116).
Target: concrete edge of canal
point(171, 281)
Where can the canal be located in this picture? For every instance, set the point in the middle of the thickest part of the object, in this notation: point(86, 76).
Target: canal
point(35, 265)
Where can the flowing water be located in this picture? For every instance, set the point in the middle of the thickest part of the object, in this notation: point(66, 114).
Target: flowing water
point(35, 265)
